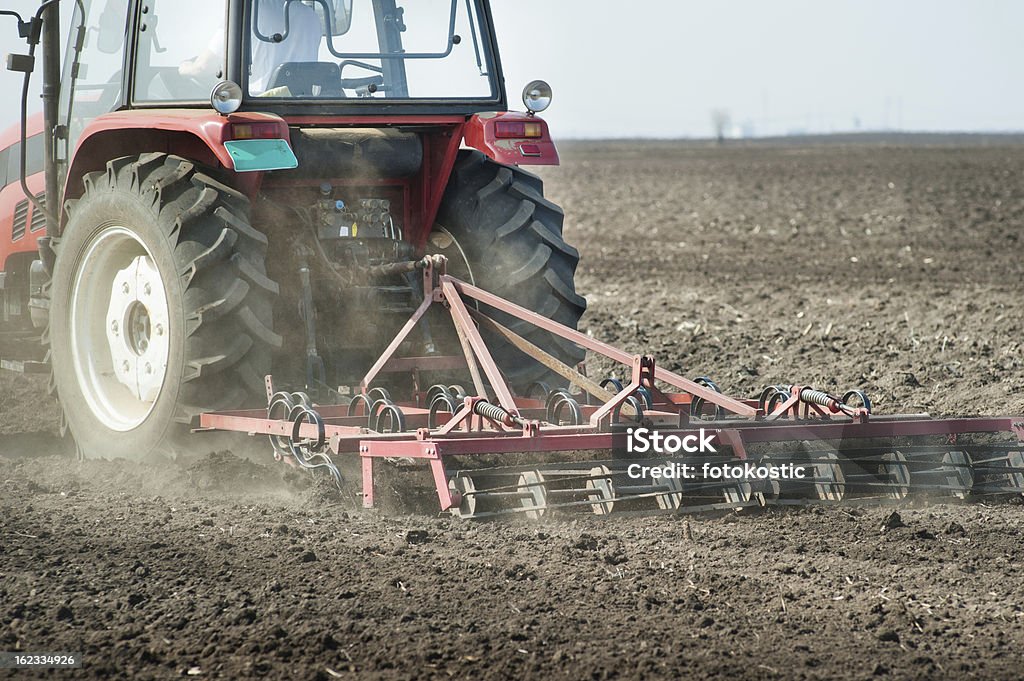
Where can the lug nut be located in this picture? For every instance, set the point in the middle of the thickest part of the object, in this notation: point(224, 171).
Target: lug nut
point(126, 366)
point(149, 368)
point(147, 289)
point(114, 327)
point(159, 329)
point(125, 288)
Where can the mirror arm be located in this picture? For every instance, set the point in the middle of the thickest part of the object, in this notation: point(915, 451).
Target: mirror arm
point(25, 28)
point(35, 32)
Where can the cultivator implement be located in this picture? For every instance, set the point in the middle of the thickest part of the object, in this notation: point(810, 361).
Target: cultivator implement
point(491, 452)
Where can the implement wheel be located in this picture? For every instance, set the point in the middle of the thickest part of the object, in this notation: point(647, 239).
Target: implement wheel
point(495, 219)
point(160, 307)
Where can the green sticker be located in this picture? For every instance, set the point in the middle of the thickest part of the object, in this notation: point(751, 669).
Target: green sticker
point(251, 155)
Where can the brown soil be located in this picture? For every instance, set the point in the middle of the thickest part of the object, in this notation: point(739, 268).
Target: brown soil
point(894, 269)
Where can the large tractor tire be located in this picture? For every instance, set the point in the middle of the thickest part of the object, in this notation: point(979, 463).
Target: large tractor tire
point(160, 307)
point(510, 238)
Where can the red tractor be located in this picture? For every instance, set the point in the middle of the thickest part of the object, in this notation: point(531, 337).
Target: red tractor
point(221, 189)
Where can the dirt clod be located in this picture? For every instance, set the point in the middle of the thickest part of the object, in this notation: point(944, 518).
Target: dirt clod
point(956, 529)
point(892, 522)
point(417, 536)
point(889, 635)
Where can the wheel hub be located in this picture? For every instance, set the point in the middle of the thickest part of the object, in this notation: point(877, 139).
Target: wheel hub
point(137, 328)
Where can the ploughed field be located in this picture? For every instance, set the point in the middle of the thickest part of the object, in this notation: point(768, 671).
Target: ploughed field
point(895, 268)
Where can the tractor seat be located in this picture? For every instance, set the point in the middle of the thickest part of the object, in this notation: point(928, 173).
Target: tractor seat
point(308, 79)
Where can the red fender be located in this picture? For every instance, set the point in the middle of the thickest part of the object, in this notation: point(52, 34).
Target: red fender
point(195, 134)
point(523, 151)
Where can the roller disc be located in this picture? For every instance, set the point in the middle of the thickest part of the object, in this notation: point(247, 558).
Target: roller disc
point(829, 481)
point(897, 474)
point(737, 493)
point(958, 472)
point(601, 490)
point(673, 498)
point(463, 484)
point(1015, 475)
point(534, 494)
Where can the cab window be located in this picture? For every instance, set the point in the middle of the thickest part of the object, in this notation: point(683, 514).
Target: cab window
point(181, 50)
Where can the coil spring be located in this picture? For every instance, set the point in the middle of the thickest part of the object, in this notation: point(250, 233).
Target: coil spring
point(495, 413)
point(819, 397)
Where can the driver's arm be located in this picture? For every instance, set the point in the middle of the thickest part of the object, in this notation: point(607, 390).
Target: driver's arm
point(209, 62)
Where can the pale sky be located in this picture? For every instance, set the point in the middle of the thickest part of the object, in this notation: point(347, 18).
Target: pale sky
point(658, 68)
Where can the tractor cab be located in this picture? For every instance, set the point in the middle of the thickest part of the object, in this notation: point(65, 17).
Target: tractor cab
point(287, 57)
point(283, 51)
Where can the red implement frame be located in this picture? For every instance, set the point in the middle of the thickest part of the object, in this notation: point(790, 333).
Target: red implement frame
point(522, 425)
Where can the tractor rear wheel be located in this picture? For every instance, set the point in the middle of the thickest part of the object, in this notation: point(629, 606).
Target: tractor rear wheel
point(510, 238)
point(160, 306)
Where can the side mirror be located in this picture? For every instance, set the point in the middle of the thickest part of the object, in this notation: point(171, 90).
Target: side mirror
point(112, 27)
point(340, 19)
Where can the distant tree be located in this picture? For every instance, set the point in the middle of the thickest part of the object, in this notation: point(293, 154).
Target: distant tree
point(720, 120)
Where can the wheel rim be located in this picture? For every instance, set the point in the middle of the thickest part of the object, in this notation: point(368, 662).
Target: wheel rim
point(119, 329)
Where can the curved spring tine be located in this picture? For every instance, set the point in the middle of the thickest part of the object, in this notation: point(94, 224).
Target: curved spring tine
point(298, 417)
point(614, 382)
point(303, 399)
point(458, 392)
point(697, 403)
point(282, 396)
point(561, 401)
point(374, 411)
point(553, 397)
point(646, 397)
point(440, 403)
point(707, 383)
point(540, 389)
point(435, 390)
point(280, 401)
point(767, 394)
point(360, 398)
point(379, 394)
point(776, 399)
point(860, 395)
point(635, 403)
point(395, 422)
